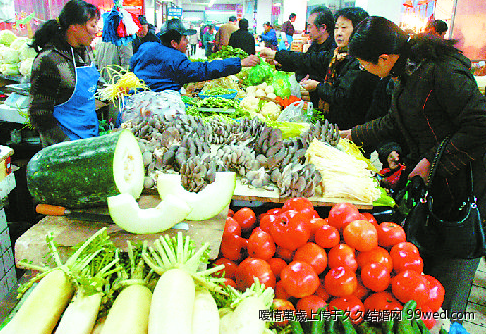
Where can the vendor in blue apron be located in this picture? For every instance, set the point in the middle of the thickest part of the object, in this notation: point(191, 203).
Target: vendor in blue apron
point(64, 77)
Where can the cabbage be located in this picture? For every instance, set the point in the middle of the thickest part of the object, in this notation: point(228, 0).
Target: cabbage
point(26, 51)
point(9, 69)
point(9, 56)
point(18, 42)
point(26, 67)
point(7, 37)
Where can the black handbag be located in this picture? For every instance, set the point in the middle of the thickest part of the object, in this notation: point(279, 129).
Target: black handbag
point(462, 238)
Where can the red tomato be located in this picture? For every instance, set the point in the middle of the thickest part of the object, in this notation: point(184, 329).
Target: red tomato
point(281, 307)
point(327, 236)
point(427, 316)
point(321, 292)
point(250, 268)
point(267, 220)
point(375, 276)
point(361, 291)
point(436, 293)
point(390, 234)
point(311, 304)
point(361, 235)
point(409, 284)
point(403, 260)
point(277, 265)
point(299, 279)
point(313, 255)
point(338, 214)
point(285, 254)
point(232, 226)
point(370, 218)
point(246, 218)
point(229, 268)
point(342, 255)
point(314, 225)
point(290, 230)
point(261, 245)
point(280, 292)
point(352, 307)
point(376, 255)
point(298, 204)
point(229, 282)
point(340, 282)
point(404, 246)
point(381, 301)
point(232, 246)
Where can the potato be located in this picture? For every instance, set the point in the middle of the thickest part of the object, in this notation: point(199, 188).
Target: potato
point(263, 85)
point(269, 90)
point(260, 93)
point(251, 89)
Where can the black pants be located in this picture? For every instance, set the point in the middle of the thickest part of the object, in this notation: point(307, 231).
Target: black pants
point(193, 49)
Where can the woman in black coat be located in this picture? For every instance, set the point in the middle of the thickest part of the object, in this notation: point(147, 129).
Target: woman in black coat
point(435, 96)
point(346, 91)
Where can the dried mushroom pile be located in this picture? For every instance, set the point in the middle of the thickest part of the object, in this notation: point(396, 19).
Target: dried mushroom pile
point(197, 148)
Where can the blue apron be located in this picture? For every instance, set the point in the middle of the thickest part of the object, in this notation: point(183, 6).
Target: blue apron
point(77, 116)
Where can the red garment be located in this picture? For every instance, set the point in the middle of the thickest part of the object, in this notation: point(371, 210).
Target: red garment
point(392, 176)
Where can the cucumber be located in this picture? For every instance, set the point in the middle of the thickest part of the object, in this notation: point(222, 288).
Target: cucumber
point(85, 172)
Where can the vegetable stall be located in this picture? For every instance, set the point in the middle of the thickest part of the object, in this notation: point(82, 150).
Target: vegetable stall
point(140, 236)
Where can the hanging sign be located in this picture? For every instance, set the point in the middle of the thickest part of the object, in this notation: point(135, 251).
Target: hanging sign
point(175, 11)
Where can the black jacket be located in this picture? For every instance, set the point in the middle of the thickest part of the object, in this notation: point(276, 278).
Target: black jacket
point(303, 63)
point(244, 40)
point(150, 37)
point(434, 99)
point(349, 93)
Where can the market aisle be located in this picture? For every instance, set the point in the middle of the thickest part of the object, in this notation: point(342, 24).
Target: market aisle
point(477, 302)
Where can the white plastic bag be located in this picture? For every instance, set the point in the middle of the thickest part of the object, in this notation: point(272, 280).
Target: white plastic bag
point(294, 86)
point(296, 112)
point(148, 103)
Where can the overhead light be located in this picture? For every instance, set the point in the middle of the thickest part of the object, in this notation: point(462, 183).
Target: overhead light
point(278, 4)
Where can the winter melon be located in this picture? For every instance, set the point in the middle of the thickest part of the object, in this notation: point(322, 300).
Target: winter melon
point(85, 172)
point(126, 213)
point(205, 204)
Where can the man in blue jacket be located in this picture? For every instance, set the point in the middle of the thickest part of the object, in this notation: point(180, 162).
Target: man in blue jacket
point(165, 66)
point(269, 36)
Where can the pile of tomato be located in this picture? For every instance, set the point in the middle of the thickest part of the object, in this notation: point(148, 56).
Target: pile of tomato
point(346, 261)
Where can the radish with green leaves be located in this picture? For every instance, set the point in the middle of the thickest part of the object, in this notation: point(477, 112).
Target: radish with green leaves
point(130, 311)
point(40, 312)
point(176, 260)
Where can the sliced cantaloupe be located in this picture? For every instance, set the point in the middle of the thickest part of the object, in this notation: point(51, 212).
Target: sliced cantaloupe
point(126, 213)
point(205, 204)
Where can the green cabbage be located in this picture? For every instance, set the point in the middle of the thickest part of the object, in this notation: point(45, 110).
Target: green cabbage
point(281, 84)
point(9, 69)
point(9, 56)
point(26, 52)
point(7, 37)
point(25, 67)
point(18, 42)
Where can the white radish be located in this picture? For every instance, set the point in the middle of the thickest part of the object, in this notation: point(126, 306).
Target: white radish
point(205, 315)
point(40, 312)
point(172, 304)
point(80, 315)
point(246, 316)
point(130, 311)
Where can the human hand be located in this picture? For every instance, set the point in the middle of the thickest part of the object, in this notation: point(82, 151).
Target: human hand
point(250, 61)
point(422, 169)
point(345, 134)
point(268, 53)
point(309, 85)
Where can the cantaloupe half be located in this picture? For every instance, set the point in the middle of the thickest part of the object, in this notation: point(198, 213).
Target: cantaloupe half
point(126, 213)
point(205, 204)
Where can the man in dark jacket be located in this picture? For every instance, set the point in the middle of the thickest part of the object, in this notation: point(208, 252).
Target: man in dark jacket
point(288, 30)
point(165, 66)
point(146, 34)
point(243, 39)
